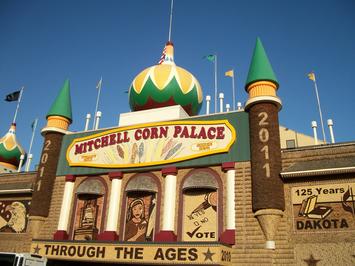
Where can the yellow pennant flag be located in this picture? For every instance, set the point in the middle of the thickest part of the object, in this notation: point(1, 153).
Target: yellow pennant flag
point(312, 76)
point(230, 73)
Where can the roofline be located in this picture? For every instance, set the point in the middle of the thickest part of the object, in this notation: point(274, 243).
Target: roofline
point(320, 146)
point(16, 191)
point(318, 172)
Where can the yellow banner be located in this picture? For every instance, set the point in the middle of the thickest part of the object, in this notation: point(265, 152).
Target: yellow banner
point(157, 253)
point(152, 144)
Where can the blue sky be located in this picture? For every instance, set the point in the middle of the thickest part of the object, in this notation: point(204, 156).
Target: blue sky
point(44, 42)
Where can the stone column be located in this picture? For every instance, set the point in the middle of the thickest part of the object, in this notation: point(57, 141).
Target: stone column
point(167, 233)
point(110, 232)
point(228, 236)
point(62, 231)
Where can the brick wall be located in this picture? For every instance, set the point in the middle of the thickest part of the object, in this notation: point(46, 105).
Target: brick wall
point(12, 242)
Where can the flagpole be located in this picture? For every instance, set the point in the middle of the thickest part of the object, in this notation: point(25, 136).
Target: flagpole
point(171, 18)
point(233, 88)
point(18, 105)
point(319, 109)
point(215, 84)
point(33, 134)
point(29, 150)
point(97, 101)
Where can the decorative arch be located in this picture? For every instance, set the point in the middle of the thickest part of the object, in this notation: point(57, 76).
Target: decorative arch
point(141, 204)
point(201, 211)
point(89, 209)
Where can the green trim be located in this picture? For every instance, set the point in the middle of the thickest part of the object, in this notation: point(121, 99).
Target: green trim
point(239, 151)
point(11, 156)
point(172, 90)
point(260, 67)
point(62, 104)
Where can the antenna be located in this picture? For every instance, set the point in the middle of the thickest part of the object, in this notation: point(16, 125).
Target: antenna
point(171, 18)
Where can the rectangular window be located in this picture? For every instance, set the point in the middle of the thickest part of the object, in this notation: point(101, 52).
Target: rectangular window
point(290, 144)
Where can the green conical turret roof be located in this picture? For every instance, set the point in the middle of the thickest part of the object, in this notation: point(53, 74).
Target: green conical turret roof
point(260, 67)
point(62, 104)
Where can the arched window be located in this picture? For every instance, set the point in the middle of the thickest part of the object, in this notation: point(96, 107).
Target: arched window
point(90, 202)
point(201, 209)
point(141, 202)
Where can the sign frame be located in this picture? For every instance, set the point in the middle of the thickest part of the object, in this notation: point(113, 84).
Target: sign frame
point(225, 149)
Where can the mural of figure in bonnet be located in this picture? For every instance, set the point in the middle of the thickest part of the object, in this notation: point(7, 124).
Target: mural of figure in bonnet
point(140, 219)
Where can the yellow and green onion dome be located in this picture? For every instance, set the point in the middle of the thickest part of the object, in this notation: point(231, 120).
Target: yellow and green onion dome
point(11, 150)
point(166, 84)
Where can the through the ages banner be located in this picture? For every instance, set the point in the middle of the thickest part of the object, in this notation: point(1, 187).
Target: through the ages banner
point(152, 144)
point(324, 207)
point(211, 253)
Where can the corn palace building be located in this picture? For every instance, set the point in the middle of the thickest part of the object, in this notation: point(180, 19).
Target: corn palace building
point(168, 186)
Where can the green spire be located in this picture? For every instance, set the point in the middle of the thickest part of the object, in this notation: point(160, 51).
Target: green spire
point(62, 104)
point(260, 67)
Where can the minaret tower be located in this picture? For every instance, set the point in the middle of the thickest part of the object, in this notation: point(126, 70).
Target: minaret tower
point(263, 106)
point(59, 118)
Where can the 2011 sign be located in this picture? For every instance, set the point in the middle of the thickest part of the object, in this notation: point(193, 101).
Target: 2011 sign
point(264, 138)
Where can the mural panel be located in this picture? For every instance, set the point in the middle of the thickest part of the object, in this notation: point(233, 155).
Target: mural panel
point(140, 217)
point(14, 215)
point(320, 208)
point(200, 215)
point(88, 217)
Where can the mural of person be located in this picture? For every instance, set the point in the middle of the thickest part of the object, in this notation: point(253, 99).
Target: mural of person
point(136, 223)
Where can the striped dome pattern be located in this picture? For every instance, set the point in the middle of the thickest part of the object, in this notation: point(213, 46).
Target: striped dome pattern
point(10, 149)
point(166, 84)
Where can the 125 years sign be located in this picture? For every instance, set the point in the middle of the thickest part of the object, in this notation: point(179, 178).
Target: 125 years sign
point(152, 144)
point(324, 207)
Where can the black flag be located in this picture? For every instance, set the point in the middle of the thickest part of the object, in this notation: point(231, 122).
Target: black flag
point(13, 96)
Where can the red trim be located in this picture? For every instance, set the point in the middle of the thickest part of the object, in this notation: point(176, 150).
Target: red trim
point(228, 166)
point(151, 103)
point(169, 171)
point(108, 235)
point(61, 235)
point(166, 236)
point(228, 237)
point(70, 178)
point(115, 175)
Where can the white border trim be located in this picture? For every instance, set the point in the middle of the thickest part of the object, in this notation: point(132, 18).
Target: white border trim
point(255, 100)
point(318, 172)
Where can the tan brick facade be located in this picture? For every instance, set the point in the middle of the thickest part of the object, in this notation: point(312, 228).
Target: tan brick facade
point(292, 247)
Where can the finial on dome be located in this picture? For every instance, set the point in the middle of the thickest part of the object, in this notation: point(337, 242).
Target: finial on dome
point(167, 57)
